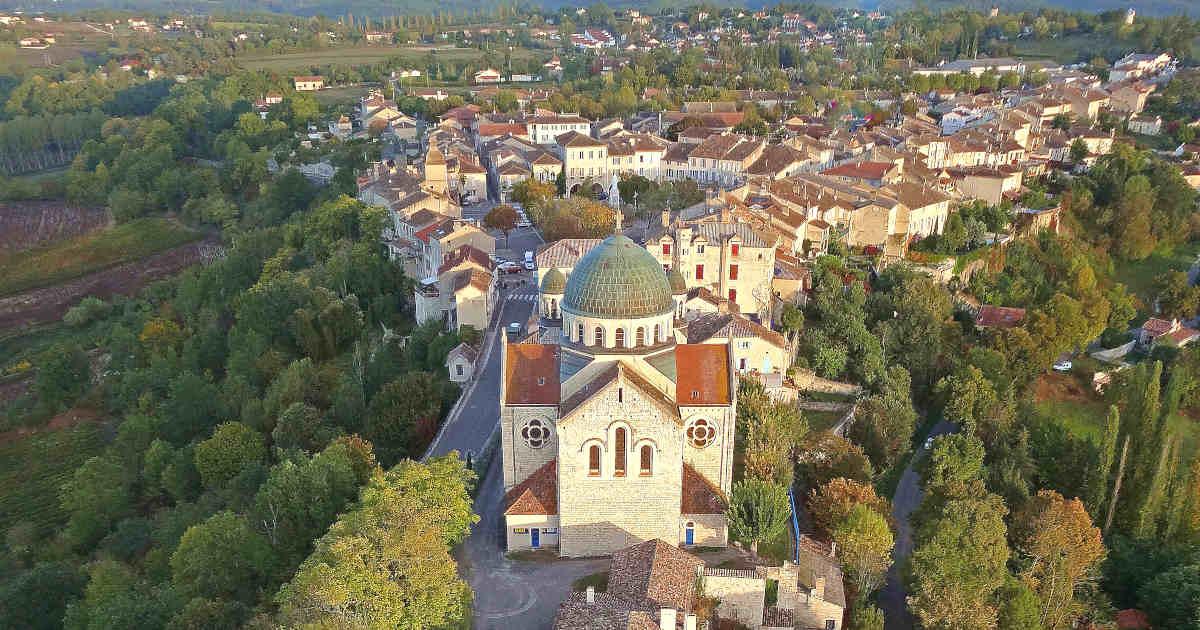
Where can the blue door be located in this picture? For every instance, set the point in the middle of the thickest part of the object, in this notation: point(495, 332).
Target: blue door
point(535, 537)
point(689, 534)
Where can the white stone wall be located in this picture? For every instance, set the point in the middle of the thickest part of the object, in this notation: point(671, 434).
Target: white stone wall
point(709, 530)
point(600, 514)
point(517, 527)
point(742, 598)
point(714, 461)
point(571, 324)
point(520, 460)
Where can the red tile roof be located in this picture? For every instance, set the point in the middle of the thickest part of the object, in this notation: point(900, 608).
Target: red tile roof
point(999, 316)
point(531, 374)
point(537, 495)
point(861, 170)
point(699, 495)
point(703, 374)
point(654, 573)
point(1156, 327)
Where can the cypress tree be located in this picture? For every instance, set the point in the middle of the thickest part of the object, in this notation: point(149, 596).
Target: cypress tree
point(1098, 483)
point(1150, 509)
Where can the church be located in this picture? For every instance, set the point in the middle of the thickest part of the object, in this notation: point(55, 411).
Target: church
point(611, 432)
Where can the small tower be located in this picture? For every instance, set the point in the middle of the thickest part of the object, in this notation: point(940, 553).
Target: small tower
point(678, 291)
point(436, 179)
point(994, 12)
point(1130, 16)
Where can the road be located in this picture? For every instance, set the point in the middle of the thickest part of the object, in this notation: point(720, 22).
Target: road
point(893, 596)
point(472, 422)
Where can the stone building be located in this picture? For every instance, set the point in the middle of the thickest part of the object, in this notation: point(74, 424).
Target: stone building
point(611, 432)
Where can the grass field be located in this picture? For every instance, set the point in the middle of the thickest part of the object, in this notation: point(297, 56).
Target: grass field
point(33, 468)
point(75, 257)
point(341, 95)
point(819, 421)
point(367, 55)
point(1140, 277)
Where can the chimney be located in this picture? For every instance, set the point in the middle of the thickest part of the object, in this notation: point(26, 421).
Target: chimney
point(591, 594)
point(666, 218)
point(666, 619)
point(833, 549)
point(689, 622)
point(725, 214)
point(818, 589)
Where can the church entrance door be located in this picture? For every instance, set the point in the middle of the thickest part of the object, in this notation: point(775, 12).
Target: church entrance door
point(535, 537)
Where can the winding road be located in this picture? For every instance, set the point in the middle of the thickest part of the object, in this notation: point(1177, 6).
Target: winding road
point(893, 596)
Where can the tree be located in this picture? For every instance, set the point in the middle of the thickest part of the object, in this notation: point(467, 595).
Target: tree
point(884, 422)
point(232, 447)
point(831, 503)
point(384, 564)
point(1172, 598)
point(37, 598)
point(1136, 239)
point(63, 373)
point(403, 417)
point(769, 431)
point(209, 614)
point(223, 557)
point(502, 217)
point(758, 512)
point(958, 564)
point(865, 547)
point(97, 495)
point(865, 617)
point(969, 398)
point(533, 194)
point(954, 459)
point(1099, 477)
point(115, 597)
point(1177, 297)
point(1060, 546)
point(1019, 607)
point(301, 426)
point(1079, 151)
point(823, 456)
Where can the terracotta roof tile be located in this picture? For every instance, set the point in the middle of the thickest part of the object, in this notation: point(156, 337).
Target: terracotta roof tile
point(654, 573)
point(537, 495)
point(531, 374)
point(703, 374)
point(999, 316)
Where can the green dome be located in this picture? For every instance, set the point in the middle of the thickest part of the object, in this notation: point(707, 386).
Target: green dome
point(678, 284)
point(554, 283)
point(618, 279)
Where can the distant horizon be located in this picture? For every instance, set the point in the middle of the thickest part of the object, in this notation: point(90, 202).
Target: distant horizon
point(373, 8)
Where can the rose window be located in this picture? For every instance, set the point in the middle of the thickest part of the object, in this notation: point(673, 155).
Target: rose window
point(536, 433)
point(701, 433)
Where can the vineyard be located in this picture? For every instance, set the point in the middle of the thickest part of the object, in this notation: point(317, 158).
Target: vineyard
point(32, 468)
point(29, 224)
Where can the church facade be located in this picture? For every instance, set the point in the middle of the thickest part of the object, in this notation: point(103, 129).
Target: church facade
point(611, 432)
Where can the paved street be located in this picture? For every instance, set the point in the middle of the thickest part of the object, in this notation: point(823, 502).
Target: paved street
point(472, 424)
point(907, 498)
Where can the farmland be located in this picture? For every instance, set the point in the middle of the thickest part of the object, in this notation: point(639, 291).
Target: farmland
point(88, 253)
point(412, 55)
point(33, 467)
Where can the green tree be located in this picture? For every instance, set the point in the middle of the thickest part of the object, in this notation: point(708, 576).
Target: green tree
point(1019, 607)
point(384, 564)
point(37, 598)
point(865, 547)
point(970, 398)
point(864, 616)
point(403, 417)
point(958, 564)
point(96, 496)
point(832, 503)
point(301, 426)
point(1079, 151)
point(758, 512)
point(63, 373)
point(884, 422)
point(232, 447)
point(1172, 598)
point(223, 557)
point(1177, 298)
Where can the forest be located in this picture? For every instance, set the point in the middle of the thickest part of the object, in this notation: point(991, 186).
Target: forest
point(264, 407)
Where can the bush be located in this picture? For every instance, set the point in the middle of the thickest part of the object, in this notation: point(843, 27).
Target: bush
point(87, 311)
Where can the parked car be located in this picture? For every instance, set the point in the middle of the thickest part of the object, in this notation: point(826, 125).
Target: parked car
point(530, 266)
point(1063, 365)
point(929, 442)
point(509, 267)
point(514, 329)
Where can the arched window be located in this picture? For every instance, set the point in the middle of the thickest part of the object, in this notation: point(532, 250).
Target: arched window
point(657, 332)
point(647, 463)
point(594, 461)
point(598, 337)
point(579, 331)
point(619, 453)
point(620, 337)
point(640, 336)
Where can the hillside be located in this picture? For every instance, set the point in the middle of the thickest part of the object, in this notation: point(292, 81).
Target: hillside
point(412, 7)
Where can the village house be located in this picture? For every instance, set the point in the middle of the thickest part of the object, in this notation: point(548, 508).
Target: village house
point(308, 83)
point(1163, 331)
point(461, 293)
point(460, 363)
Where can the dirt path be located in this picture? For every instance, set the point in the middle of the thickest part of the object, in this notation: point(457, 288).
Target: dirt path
point(64, 420)
point(50, 303)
